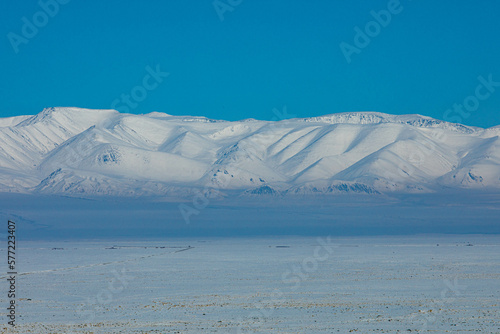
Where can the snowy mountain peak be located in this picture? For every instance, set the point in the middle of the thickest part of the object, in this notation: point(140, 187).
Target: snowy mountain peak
point(69, 114)
point(372, 117)
point(88, 152)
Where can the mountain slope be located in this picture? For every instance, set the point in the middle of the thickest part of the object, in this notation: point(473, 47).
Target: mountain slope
point(87, 152)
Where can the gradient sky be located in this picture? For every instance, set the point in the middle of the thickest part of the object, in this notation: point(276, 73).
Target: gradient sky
point(262, 55)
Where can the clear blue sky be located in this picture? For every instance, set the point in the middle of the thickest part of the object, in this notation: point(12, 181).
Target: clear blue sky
point(264, 54)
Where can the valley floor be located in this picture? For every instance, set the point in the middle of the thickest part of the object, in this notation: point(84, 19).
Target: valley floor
point(427, 284)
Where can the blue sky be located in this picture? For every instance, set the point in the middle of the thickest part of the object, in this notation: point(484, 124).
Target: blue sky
point(245, 58)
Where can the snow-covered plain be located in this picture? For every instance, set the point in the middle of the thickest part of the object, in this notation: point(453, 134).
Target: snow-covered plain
point(425, 284)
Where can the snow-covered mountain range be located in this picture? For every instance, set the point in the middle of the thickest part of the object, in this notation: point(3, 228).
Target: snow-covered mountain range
point(85, 152)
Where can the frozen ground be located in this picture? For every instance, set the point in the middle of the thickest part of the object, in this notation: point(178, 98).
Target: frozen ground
point(263, 285)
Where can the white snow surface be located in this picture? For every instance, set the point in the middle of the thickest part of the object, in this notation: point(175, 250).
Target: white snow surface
point(84, 152)
point(420, 284)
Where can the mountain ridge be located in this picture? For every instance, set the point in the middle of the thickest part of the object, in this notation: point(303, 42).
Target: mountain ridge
point(87, 152)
